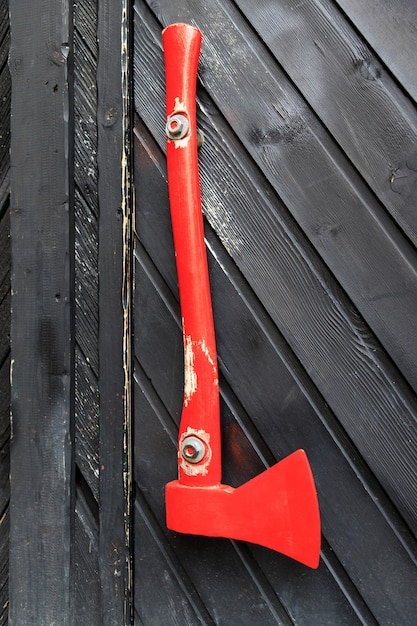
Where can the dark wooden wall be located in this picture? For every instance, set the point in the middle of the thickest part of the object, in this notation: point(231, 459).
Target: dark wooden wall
point(4, 308)
point(69, 544)
point(308, 175)
point(308, 182)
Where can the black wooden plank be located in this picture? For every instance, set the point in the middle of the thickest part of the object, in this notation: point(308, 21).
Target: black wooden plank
point(4, 483)
point(86, 403)
point(5, 192)
point(114, 305)
point(4, 252)
point(351, 92)
point(5, 93)
point(5, 86)
point(4, 488)
point(85, 23)
point(4, 288)
point(312, 313)
point(40, 509)
point(391, 31)
point(262, 397)
point(86, 243)
point(174, 601)
point(4, 311)
point(86, 281)
point(86, 424)
point(85, 131)
point(4, 563)
point(374, 263)
point(86, 578)
point(4, 402)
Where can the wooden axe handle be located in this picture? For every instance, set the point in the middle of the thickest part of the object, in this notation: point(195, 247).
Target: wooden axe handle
point(200, 461)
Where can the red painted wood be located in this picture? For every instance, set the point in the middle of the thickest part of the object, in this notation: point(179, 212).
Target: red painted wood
point(201, 412)
point(277, 509)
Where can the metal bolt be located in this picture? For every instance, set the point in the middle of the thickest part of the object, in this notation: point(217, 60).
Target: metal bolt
point(177, 126)
point(193, 449)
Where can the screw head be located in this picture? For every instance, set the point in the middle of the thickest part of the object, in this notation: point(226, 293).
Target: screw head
point(192, 449)
point(177, 126)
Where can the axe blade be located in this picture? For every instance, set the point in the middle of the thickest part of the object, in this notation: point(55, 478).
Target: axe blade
point(277, 509)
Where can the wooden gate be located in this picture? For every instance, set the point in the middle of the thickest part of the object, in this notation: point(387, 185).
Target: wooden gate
point(308, 175)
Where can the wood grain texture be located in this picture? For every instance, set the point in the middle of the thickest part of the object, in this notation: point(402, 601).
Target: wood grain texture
point(391, 31)
point(86, 243)
point(114, 303)
point(4, 566)
point(351, 92)
point(5, 93)
point(86, 608)
point(5, 261)
point(4, 457)
point(4, 488)
point(4, 280)
point(87, 417)
point(40, 214)
point(266, 392)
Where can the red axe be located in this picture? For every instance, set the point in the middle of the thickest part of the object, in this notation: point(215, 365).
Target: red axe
point(277, 509)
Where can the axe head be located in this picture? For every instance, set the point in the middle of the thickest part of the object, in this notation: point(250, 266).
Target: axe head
point(277, 509)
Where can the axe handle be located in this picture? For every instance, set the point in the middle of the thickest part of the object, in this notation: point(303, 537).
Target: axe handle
point(201, 414)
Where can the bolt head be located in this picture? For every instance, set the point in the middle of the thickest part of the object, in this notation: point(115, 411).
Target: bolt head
point(177, 126)
point(192, 449)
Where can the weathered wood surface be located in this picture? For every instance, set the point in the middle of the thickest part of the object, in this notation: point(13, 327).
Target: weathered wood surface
point(114, 302)
point(69, 445)
point(311, 232)
point(86, 601)
point(308, 181)
point(4, 310)
point(86, 242)
point(391, 31)
point(41, 468)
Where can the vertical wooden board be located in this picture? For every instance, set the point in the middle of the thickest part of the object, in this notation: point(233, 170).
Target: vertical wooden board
point(5, 89)
point(5, 92)
point(4, 488)
point(4, 402)
point(4, 566)
point(114, 306)
point(40, 509)
point(4, 280)
point(86, 243)
point(86, 337)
